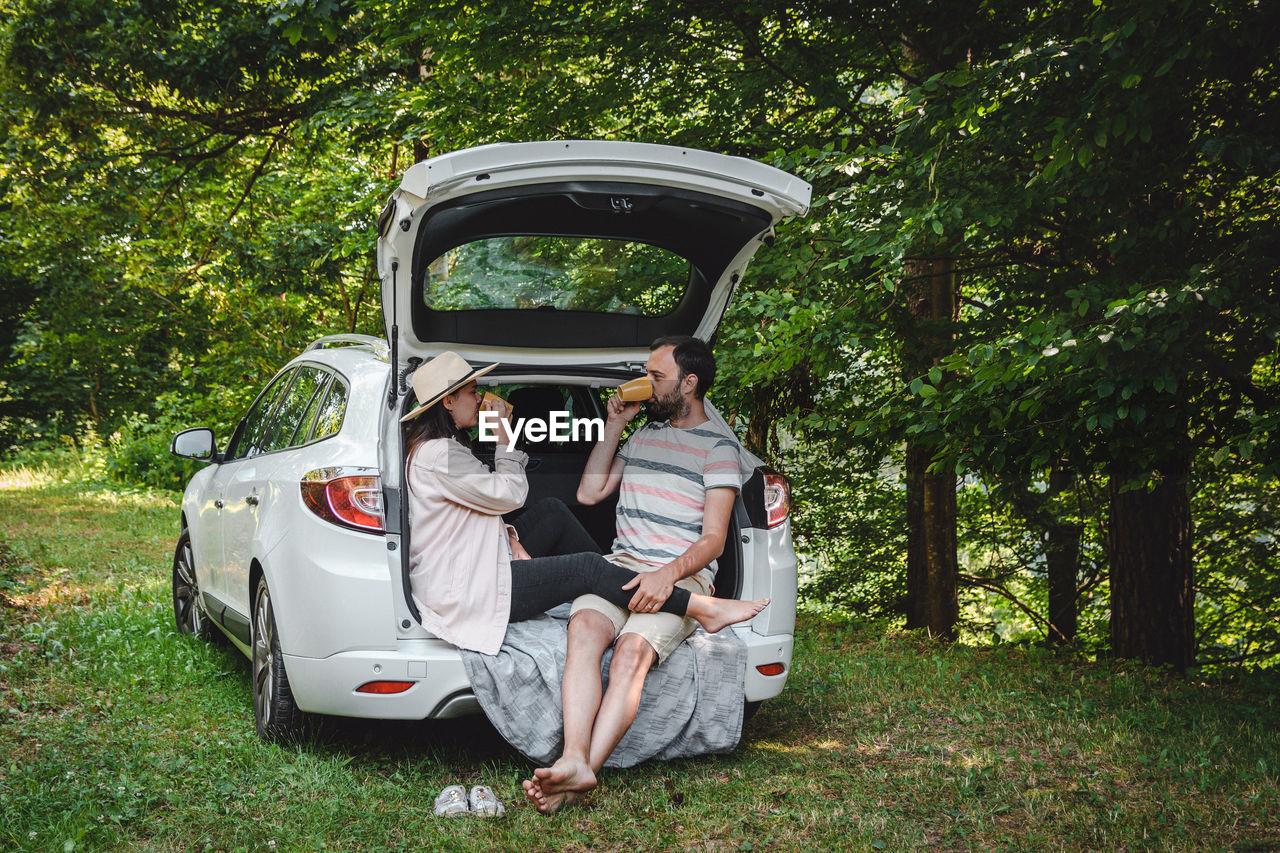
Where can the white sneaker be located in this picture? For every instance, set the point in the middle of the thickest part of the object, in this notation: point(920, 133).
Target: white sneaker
point(451, 802)
point(483, 802)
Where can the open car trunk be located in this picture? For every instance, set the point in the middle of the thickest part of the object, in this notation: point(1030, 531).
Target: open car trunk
point(563, 261)
point(555, 467)
point(564, 253)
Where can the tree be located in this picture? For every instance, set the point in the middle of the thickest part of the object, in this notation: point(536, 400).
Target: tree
point(158, 227)
point(1132, 299)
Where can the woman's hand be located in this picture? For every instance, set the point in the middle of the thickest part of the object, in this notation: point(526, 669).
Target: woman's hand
point(503, 410)
point(518, 551)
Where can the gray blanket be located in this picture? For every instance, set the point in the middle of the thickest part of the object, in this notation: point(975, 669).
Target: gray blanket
point(692, 704)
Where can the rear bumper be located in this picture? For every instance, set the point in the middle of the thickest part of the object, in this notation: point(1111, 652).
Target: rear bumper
point(441, 688)
point(763, 650)
point(440, 685)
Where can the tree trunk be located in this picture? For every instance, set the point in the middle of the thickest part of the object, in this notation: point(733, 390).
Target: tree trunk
point(932, 296)
point(1062, 550)
point(932, 566)
point(760, 424)
point(1152, 592)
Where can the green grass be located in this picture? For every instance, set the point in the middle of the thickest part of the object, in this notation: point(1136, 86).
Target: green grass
point(116, 733)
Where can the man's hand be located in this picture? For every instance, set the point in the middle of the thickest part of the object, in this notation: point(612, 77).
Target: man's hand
point(620, 413)
point(603, 472)
point(652, 590)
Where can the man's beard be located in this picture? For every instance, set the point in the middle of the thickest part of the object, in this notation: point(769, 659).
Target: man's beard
point(665, 409)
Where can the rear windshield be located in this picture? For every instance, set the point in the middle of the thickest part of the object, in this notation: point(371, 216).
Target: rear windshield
point(564, 273)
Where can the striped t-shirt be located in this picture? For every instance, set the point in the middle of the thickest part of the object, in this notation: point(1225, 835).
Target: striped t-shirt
point(664, 487)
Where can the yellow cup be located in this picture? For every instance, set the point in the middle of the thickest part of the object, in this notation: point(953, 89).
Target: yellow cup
point(492, 398)
point(636, 390)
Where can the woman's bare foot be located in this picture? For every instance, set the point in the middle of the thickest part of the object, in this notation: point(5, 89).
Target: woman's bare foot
point(713, 614)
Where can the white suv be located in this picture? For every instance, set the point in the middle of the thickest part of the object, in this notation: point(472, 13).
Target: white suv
point(562, 261)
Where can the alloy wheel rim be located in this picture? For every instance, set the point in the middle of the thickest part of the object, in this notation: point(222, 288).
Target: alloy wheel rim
point(263, 640)
point(186, 591)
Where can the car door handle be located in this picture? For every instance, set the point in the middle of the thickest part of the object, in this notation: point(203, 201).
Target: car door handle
point(251, 500)
point(218, 503)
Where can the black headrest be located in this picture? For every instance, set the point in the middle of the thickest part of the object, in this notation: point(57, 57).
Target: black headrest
point(536, 402)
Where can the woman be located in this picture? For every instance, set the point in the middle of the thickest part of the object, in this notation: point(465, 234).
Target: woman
point(470, 573)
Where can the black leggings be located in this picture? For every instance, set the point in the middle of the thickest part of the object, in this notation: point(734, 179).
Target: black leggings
point(566, 564)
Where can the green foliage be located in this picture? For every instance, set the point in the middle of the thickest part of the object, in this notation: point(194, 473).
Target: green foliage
point(1115, 290)
point(139, 454)
point(1238, 555)
point(180, 153)
point(847, 524)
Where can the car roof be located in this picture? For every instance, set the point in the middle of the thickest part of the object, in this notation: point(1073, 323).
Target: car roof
point(363, 365)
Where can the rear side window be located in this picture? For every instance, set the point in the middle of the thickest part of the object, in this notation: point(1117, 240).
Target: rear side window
point(557, 272)
point(303, 433)
point(332, 410)
point(295, 403)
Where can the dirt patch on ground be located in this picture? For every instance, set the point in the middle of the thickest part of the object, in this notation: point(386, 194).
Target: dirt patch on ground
point(56, 592)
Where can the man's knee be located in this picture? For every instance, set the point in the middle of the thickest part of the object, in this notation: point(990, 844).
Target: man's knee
point(590, 627)
point(632, 656)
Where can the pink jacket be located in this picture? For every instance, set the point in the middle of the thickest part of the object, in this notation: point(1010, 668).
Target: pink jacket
point(459, 564)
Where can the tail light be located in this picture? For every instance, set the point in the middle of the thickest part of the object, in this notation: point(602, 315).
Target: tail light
point(777, 498)
point(347, 497)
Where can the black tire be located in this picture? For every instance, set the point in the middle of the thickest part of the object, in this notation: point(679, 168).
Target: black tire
point(188, 612)
point(748, 711)
point(277, 717)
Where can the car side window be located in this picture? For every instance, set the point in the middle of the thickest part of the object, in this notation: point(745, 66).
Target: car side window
point(289, 415)
point(303, 433)
point(248, 438)
point(332, 410)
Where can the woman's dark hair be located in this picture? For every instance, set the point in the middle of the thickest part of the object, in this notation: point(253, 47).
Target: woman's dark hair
point(435, 422)
point(692, 355)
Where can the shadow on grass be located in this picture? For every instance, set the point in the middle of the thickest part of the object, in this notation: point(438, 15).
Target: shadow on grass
point(464, 741)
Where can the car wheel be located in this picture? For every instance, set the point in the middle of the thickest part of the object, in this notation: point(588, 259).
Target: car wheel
point(276, 715)
point(188, 613)
point(748, 711)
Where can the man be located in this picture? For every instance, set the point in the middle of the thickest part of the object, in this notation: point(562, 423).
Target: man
point(677, 478)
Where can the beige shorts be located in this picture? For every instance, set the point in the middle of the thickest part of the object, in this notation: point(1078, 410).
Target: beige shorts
point(663, 631)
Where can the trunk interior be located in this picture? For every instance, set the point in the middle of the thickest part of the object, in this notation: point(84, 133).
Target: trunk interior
point(555, 468)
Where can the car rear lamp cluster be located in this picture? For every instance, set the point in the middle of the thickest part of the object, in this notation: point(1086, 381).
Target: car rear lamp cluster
point(347, 497)
point(777, 498)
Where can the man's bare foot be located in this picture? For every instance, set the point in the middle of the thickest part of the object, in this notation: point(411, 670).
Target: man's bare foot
point(533, 793)
point(546, 803)
point(713, 614)
point(567, 774)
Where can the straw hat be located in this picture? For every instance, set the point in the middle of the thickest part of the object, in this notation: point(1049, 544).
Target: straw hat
point(440, 377)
